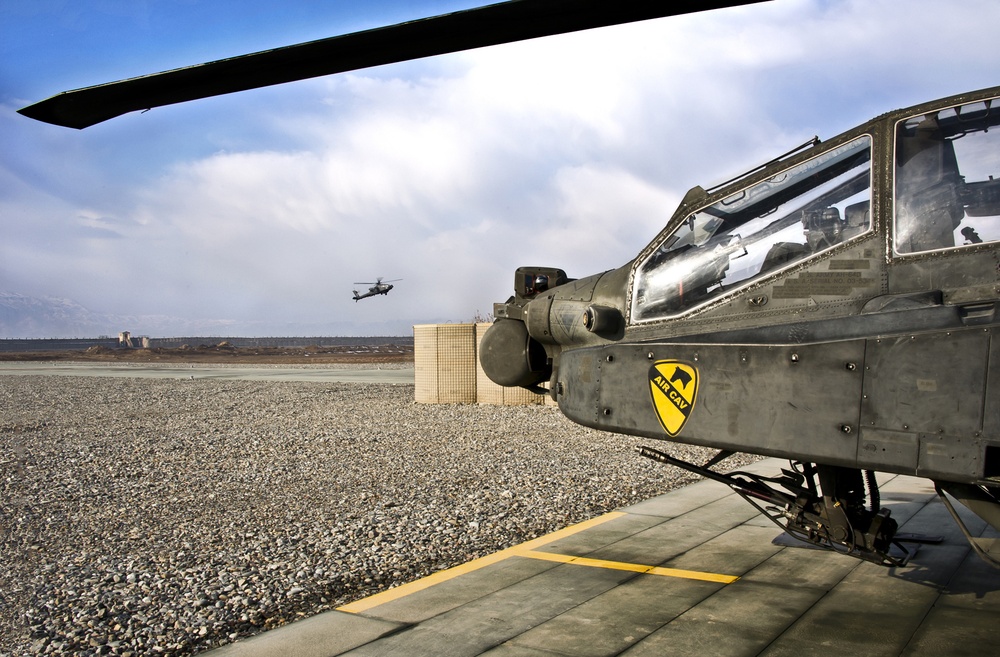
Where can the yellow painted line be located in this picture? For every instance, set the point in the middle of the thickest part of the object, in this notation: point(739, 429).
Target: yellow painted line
point(528, 550)
point(451, 573)
point(633, 567)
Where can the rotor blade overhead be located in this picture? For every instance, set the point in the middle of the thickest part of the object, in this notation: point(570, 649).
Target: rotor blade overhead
point(504, 22)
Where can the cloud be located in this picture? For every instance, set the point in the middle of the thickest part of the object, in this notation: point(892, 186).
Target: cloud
point(450, 172)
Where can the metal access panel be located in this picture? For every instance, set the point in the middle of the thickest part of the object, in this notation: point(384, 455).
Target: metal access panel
point(800, 401)
point(925, 400)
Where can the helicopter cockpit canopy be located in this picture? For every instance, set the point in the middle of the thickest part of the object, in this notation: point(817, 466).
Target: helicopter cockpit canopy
point(802, 211)
point(945, 192)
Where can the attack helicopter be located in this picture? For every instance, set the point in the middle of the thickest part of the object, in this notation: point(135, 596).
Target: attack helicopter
point(834, 307)
point(378, 287)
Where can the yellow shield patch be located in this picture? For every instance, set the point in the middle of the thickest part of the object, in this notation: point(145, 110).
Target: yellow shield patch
point(673, 387)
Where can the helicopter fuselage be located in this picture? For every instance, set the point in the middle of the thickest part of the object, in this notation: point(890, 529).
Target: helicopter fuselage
point(836, 307)
point(375, 289)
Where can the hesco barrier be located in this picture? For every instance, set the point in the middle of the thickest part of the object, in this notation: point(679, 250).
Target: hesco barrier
point(446, 368)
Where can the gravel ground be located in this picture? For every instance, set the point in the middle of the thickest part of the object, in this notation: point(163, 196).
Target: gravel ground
point(167, 517)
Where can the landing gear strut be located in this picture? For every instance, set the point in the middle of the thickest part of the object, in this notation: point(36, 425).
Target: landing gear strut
point(832, 515)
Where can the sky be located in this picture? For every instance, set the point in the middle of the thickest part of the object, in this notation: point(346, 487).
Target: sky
point(257, 214)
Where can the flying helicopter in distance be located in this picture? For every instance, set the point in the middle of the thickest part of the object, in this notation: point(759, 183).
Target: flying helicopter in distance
point(378, 287)
point(834, 306)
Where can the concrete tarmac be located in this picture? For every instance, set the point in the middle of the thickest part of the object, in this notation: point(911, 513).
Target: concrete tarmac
point(270, 373)
point(691, 573)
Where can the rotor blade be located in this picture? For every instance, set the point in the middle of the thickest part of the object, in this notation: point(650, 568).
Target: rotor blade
point(504, 22)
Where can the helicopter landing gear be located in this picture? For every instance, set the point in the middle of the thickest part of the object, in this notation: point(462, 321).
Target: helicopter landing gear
point(832, 515)
point(983, 502)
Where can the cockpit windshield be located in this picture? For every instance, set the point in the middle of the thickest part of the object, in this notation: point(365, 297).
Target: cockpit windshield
point(947, 183)
point(801, 211)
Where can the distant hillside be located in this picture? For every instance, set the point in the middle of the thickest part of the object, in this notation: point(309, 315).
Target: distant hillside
point(51, 317)
point(22, 316)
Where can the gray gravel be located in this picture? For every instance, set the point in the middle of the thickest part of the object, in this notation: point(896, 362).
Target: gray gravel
point(167, 517)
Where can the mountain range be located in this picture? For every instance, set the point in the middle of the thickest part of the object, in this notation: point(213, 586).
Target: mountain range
point(52, 317)
point(24, 316)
